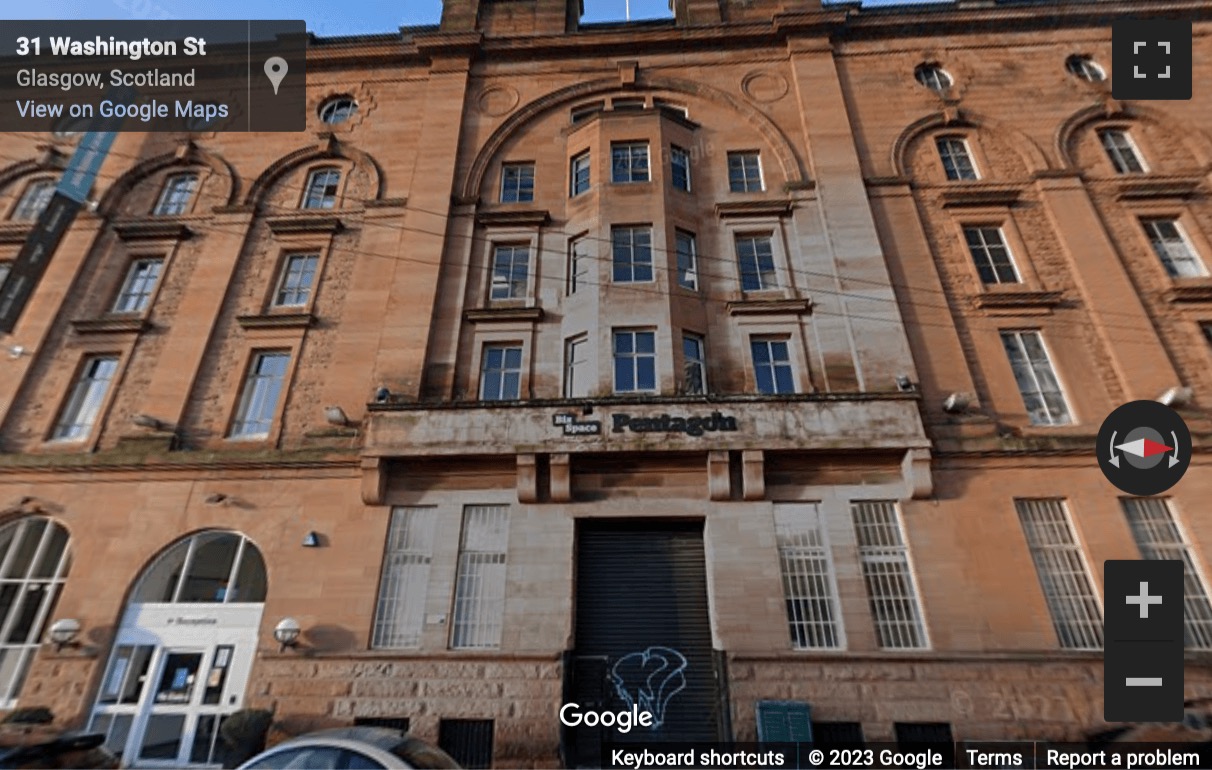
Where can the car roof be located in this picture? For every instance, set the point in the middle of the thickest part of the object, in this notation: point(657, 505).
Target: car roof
point(383, 738)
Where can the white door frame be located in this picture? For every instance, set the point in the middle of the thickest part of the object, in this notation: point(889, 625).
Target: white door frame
point(185, 628)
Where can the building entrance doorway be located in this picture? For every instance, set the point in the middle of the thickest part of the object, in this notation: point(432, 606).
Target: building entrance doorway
point(182, 656)
point(643, 636)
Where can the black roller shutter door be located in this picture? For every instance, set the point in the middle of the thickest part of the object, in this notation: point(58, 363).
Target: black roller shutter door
point(643, 633)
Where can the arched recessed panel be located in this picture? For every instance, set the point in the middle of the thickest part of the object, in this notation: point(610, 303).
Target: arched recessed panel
point(576, 95)
point(34, 560)
point(207, 568)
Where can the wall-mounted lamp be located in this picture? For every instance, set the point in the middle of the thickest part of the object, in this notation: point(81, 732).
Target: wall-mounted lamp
point(63, 633)
point(312, 540)
point(287, 633)
point(903, 383)
point(335, 415)
point(1177, 397)
point(382, 395)
point(955, 403)
point(16, 351)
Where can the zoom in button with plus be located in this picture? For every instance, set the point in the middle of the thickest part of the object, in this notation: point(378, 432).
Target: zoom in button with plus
point(1152, 59)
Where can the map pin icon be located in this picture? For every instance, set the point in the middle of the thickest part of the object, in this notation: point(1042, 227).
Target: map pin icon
point(275, 70)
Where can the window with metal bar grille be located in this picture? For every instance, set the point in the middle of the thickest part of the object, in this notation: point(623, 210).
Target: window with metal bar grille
point(957, 160)
point(1122, 152)
point(392, 723)
point(809, 590)
point(1173, 248)
point(467, 741)
point(404, 583)
point(479, 602)
point(991, 255)
point(1158, 535)
point(891, 590)
point(1063, 576)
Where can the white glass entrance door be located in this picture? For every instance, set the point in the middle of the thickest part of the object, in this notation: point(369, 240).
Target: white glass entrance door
point(162, 706)
point(186, 707)
point(182, 655)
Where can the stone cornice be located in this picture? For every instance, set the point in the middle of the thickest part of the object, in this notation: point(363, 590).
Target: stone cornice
point(1154, 186)
point(779, 207)
point(111, 324)
point(504, 314)
point(173, 462)
point(153, 230)
point(1190, 290)
point(276, 320)
point(505, 217)
point(974, 194)
point(770, 307)
point(298, 223)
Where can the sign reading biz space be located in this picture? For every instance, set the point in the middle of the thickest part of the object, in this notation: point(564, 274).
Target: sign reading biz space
point(621, 422)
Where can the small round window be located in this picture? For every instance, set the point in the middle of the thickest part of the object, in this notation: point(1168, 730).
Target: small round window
point(933, 76)
point(338, 110)
point(1085, 68)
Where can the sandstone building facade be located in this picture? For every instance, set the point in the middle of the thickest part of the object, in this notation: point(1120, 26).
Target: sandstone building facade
point(763, 347)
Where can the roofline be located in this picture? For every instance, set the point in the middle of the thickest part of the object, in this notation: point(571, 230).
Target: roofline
point(844, 20)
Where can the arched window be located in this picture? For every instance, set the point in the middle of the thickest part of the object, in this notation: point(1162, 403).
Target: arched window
point(34, 561)
point(34, 198)
point(933, 76)
point(207, 568)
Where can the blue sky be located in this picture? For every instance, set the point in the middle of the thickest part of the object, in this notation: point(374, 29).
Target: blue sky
point(324, 17)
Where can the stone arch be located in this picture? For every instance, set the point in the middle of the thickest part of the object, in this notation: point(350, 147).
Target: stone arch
point(327, 149)
point(1194, 139)
point(187, 155)
point(784, 153)
point(23, 168)
point(1028, 150)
